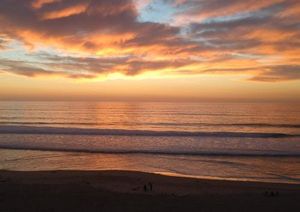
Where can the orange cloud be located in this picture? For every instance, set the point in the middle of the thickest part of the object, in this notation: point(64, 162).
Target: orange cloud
point(73, 10)
point(39, 3)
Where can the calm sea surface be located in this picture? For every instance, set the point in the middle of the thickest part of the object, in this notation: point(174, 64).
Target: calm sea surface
point(259, 142)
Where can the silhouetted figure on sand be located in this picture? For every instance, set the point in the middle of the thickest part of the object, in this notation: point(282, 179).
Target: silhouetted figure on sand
point(271, 193)
point(150, 186)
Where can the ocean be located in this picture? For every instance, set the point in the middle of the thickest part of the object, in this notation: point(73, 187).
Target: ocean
point(231, 141)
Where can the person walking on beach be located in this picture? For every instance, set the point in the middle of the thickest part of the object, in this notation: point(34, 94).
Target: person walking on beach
point(150, 186)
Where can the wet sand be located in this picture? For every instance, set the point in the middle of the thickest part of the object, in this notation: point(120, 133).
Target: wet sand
point(137, 191)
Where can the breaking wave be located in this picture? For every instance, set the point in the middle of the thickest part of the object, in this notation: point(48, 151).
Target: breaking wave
point(121, 132)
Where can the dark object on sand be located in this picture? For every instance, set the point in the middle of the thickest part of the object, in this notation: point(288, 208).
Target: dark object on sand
point(150, 186)
point(271, 193)
point(145, 188)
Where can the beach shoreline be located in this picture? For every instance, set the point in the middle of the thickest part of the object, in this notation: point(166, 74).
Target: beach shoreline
point(138, 191)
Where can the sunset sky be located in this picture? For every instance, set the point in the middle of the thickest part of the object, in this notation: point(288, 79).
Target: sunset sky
point(185, 50)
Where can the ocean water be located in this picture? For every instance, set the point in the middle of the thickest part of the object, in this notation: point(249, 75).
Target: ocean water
point(236, 141)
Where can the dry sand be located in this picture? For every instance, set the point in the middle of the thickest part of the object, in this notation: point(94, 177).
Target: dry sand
point(125, 191)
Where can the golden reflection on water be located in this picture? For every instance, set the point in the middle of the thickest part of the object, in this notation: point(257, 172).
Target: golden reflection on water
point(162, 116)
point(203, 117)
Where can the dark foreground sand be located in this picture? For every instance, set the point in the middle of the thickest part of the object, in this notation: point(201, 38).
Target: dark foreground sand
point(125, 191)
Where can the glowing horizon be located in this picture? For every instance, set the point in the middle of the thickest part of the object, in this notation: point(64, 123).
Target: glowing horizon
point(185, 50)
